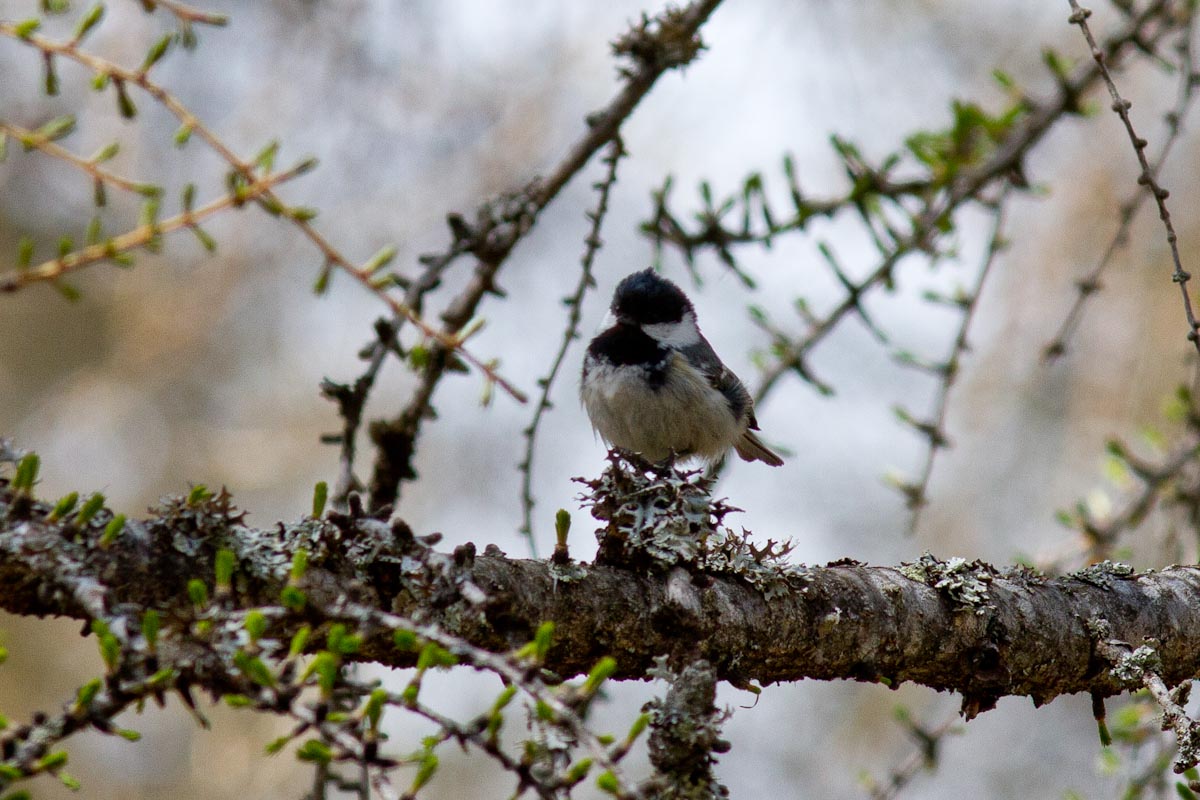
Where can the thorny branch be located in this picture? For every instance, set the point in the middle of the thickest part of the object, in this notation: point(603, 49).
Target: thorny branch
point(574, 303)
point(1090, 284)
point(1079, 16)
point(651, 48)
point(934, 430)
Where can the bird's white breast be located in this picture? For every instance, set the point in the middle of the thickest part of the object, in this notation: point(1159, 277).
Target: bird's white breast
point(685, 415)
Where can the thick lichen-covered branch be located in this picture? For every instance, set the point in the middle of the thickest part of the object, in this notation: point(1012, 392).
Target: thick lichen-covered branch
point(953, 625)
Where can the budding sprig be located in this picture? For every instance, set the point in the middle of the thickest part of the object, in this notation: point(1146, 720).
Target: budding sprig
point(242, 176)
point(145, 235)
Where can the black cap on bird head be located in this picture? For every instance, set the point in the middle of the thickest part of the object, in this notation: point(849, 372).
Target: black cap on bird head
point(647, 298)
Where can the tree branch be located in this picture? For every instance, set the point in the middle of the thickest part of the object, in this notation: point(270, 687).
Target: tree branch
point(970, 628)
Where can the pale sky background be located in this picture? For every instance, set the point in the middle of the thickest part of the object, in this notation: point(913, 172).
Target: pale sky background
point(189, 369)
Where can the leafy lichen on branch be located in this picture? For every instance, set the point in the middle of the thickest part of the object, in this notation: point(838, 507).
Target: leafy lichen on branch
point(660, 516)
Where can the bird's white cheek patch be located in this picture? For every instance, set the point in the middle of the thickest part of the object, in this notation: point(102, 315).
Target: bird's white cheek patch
point(684, 333)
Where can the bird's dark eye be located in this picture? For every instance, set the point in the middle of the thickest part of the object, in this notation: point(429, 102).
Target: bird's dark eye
point(649, 299)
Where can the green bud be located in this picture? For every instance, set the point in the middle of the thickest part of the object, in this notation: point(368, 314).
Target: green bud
point(603, 670)
point(90, 507)
point(426, 770)
point(27, 471)
point(24, 252)
point(253, 668)
point(638, 727)
point(156, 52)
point(275, 746)
point(374, 708)
point(150, 627)
point(314, 751)
point(106, 153)
point(299, 639)
point(64, 507)
point(110, 646)
point(197, 592)
point(505, 697)
point(293, 598)
point(88, 21)
point(51, 83)
point(321, 284)
point(112, 530)
point(224, 564)
point(607, 782)
point(94, 231)
point(562, 525)
point(320, 495)
point(124, 105)
point(206, 241)
point(541, 640)
point(579, 771)
point(51, 761)
point(198, 494)
point(256, 625)
point(265, 160)
point(380, 260)
point(69, 292)
point(87, 693)
point(26, 28)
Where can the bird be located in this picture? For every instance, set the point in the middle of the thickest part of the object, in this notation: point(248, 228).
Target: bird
point(652, 385)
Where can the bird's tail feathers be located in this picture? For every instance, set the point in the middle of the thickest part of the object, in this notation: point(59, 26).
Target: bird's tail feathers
point(751, 448)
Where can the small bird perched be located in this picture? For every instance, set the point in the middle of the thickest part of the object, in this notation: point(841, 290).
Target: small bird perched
point(653, 385)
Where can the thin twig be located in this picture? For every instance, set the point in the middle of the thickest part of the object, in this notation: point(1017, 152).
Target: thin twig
point(1089, 285)
point(185, 13)
point(935, 429)
point(34, 140)
point(923, 757)
point(575, 305)
point(1079, 16)
point(142, 235)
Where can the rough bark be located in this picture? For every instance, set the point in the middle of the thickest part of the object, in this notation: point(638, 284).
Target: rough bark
point(969, 628)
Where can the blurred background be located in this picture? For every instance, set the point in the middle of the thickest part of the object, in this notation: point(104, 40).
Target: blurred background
point(196, 369)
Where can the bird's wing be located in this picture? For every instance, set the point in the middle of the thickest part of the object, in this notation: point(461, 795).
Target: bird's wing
point(721, 378)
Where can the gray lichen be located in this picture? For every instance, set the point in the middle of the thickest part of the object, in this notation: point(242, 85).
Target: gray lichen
point(1103, 573)
point(1131, 667)
point(965, 583)
point(685, 734)
point(659, 517)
